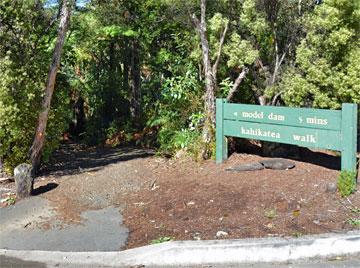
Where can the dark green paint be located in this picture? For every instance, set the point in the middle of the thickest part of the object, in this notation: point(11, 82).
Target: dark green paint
point(314, 128)
point(221, 141)
point(348, 136)
point(305, 137)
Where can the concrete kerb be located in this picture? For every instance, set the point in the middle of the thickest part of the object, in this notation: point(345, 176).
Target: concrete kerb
point(226, 252)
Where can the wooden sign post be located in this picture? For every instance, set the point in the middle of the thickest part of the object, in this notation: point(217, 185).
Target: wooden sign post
point(313, 128)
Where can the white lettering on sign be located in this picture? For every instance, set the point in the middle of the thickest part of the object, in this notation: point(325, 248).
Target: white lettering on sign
point(276, 117)
point(305, 138)
point(279, 117)
point(255, 115)
point(260, 115)
point(260, 133)
point(314, 120)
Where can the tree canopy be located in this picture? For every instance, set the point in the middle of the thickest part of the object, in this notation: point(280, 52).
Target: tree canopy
point(148, 71)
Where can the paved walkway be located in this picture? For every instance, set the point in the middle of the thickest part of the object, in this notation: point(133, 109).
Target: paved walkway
point(32, 225)
point(349, 262)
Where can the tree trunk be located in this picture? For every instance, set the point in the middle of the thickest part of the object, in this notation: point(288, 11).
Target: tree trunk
point(135, 84)
point(39, 139)
point(210, 81)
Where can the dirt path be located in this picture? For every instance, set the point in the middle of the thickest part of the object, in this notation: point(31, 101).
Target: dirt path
point(180, 199)
point(94, 178)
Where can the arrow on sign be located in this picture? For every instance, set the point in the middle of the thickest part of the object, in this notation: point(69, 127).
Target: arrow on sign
point(235, 114)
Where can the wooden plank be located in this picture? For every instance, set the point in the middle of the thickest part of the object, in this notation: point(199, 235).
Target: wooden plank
point(302, 117)
point(349, 137)
point(221, 141)
point(306, 137)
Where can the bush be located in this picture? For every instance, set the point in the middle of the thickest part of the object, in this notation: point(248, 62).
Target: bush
point(179, 115)
point(347, 183)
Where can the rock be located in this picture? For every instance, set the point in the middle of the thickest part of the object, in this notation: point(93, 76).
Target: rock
point(221, 234)
point(246, 167)
point(331, 187)
point(181, 154)
point(277, 163)
point(196, 236)
point(23, 180)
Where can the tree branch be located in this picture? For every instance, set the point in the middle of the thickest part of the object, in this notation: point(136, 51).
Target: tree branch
point(275, 98)
point(299, 7)
point(278, 61)
point(222, 38)
point(237, 83)
point(196, 22)
point(284, 54)
point(203, 13)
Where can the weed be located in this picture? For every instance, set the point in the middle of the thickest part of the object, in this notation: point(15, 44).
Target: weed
point(11, 200)
point(353, 221)
point(162, 239)
point(270, 213)
point(346, 183)
point(297, 234)
point(355, 210)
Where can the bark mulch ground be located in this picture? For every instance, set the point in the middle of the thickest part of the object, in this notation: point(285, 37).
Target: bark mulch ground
point(181, 199)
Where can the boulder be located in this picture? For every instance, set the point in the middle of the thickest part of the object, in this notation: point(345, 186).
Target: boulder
point(246, 167)
point(23, 180)
point(277, 163)
point(331, 187)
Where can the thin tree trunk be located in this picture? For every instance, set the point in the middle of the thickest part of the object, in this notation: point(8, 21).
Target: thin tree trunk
point(135, 83)
point(126, 65)
point(210, 81)
point(39, 139)
point(109, 90)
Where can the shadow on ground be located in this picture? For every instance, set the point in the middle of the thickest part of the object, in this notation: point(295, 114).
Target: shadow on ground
point(73, 158)
point(11, 262)
point(302, 154)
point(45, 188)
point(319, 158)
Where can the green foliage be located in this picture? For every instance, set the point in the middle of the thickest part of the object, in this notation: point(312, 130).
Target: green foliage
point(225, 86)
point(24, 57)
point(116, 31)
point(253, 20)
point(353, 221)
point(274, 28)
point(240, 52)
point(108, 40)
point(179, 115)
point(10, 200)
point(346, 183)
point(327, 67)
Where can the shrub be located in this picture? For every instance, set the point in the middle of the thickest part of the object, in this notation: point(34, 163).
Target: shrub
point(347, 183)
point(179, 115)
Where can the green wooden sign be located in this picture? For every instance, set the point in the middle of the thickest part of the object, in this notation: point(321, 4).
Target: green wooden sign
point(313, 128)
